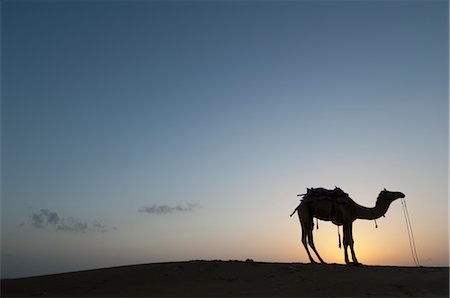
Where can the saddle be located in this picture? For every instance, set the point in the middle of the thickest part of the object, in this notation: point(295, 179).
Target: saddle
point(336, 195)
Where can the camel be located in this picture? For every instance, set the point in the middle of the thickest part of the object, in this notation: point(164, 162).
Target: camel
point(337, 207)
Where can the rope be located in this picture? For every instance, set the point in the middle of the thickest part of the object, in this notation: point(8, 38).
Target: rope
point(412, 243)
point(376, 226)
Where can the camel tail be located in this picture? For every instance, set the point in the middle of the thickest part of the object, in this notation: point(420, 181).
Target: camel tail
point(294, 211)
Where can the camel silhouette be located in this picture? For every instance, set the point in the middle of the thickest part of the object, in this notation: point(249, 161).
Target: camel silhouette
point(336, 206)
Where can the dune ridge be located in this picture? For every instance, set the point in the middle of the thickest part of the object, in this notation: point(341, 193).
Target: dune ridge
point(236, 278)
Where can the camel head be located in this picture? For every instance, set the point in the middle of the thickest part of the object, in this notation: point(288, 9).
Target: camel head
point(390, 196)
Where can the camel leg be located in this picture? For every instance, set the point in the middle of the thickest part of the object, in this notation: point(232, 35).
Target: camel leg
point(346, 242)
point(311, 243)
point(351, 245)
point(304, 240)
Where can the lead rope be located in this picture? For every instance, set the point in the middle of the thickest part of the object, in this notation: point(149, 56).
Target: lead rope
point(317, 223)
point(412, 244)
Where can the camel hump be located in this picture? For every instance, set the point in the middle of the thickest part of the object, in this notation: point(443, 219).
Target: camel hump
point(320, 193)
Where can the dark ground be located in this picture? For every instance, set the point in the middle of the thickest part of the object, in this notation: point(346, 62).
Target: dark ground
point(235, 278)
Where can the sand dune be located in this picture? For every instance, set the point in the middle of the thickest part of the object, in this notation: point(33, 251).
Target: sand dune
point(235, 278)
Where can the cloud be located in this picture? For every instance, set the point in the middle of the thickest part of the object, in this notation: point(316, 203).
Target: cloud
point(72, 225)
point(99, 227)
point(166, 209)
point(46, 218)
point(43, 217)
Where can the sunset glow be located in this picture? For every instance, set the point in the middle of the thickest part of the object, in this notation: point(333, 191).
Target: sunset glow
point(148, 131)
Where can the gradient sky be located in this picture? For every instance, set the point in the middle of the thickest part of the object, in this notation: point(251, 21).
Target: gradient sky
point(146, 131)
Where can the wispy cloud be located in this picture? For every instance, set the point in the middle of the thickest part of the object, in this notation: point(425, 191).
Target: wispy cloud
point(46, 218)
point(39, 219)
point(166, 209)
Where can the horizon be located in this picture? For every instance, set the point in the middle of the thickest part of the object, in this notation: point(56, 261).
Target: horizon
point(140, 131)
point(247, 261)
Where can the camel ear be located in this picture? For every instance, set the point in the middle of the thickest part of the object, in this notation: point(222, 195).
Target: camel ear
point(384, 189)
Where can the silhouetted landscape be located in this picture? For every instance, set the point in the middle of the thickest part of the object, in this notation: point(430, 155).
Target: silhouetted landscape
point(236, 278)
point(186, 133)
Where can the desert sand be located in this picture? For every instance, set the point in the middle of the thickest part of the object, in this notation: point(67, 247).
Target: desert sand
point(236, 278)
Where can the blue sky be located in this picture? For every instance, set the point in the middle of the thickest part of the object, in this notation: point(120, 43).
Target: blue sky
point(218, 113)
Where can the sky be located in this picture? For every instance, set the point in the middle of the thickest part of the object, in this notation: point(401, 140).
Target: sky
point(150, 131)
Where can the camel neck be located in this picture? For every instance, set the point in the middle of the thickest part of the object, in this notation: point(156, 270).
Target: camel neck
point(379, 210)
